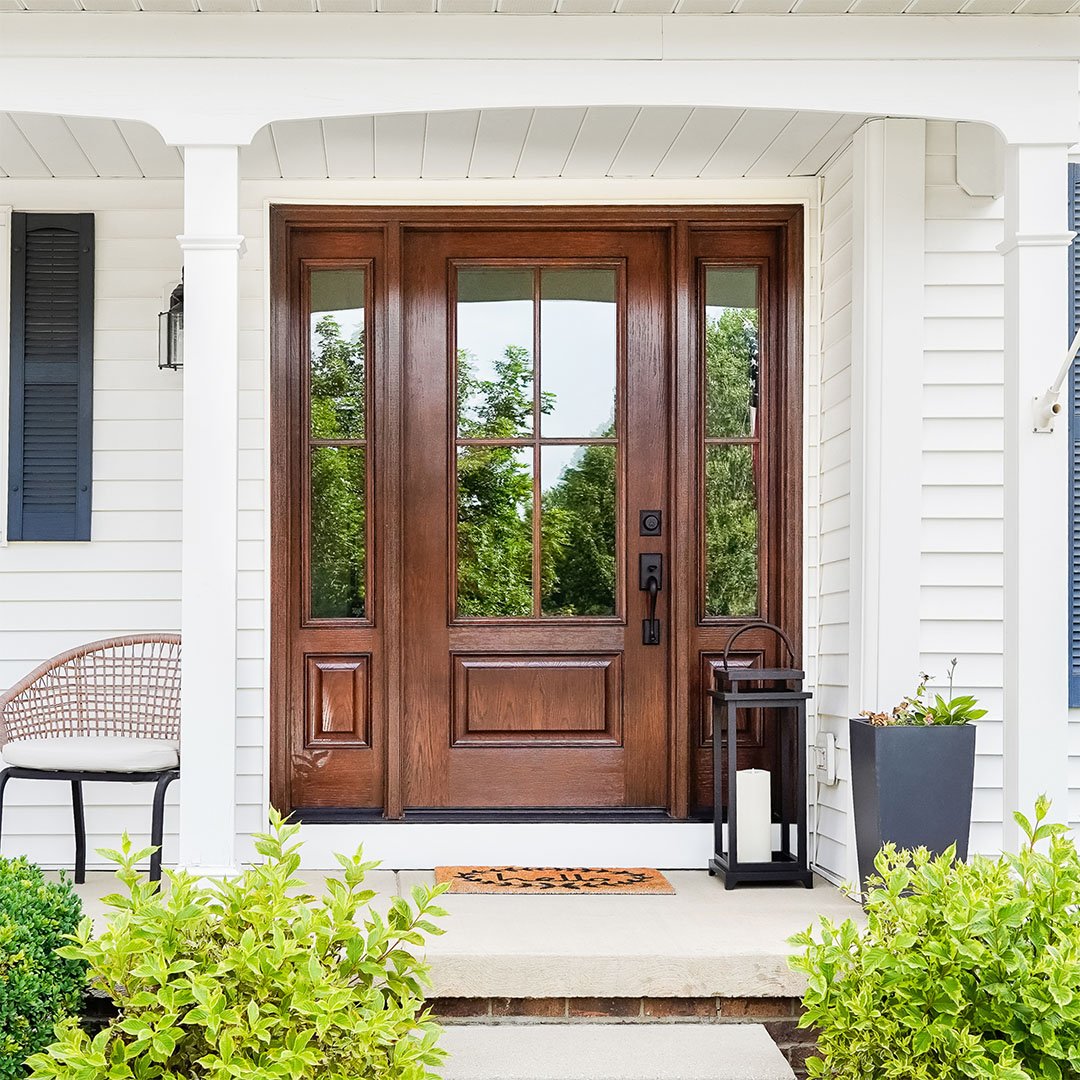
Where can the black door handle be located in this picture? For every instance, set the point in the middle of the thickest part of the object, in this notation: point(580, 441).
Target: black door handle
point(651, 580)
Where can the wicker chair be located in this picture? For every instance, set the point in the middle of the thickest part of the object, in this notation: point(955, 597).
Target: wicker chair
point(110, 711)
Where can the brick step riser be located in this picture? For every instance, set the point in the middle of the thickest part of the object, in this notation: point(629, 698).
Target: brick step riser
point(779, 1016)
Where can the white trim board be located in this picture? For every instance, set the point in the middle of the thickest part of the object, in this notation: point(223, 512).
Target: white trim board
point(406, 846)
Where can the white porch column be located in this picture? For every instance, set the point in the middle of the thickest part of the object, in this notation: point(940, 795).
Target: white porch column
point(1036, 548)
point(888, 198)
point(212, 245)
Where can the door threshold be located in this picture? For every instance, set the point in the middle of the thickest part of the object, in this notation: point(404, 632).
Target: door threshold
point(435, 816)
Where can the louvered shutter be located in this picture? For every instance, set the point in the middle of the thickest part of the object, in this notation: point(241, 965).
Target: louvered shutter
point(1074, 445)
point(52, 368)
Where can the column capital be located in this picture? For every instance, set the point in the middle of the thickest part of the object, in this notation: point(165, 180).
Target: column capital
point(189, 242)
point(1035, 240)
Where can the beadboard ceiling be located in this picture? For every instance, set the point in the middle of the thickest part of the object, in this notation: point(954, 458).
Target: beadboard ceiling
point(575, 7)
point(594, 142)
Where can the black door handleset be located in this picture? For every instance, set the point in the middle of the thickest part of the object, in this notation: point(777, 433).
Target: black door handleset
point(651, 580)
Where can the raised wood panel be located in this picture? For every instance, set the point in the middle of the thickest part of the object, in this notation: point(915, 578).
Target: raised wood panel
point(537, 700)
point(750, 724)
point(338, 701)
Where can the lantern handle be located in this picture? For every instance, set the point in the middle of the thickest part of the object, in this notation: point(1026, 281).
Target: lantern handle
point(760, 625)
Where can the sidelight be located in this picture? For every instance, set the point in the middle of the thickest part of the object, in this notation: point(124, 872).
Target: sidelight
point(337, 448)
point(730, 349)
point(536, 358)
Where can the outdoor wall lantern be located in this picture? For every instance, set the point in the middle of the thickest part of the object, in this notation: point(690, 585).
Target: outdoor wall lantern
point(171, 331)
point(747, 852)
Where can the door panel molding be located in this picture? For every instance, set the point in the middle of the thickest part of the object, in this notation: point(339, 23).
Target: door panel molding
point(582, 693)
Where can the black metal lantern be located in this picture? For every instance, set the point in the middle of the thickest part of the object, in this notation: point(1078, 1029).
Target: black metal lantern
point(171, 331)
point(779, 690)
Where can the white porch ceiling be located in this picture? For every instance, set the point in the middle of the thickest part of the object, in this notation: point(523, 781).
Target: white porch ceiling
point(574, 7)
point(504, 143)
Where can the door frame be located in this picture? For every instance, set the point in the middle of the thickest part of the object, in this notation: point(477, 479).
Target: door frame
point(682, 452)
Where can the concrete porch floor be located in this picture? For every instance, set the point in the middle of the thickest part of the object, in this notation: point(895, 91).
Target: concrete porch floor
point(701, 942)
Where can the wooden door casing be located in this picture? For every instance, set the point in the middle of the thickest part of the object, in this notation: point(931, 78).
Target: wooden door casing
point(332, 670)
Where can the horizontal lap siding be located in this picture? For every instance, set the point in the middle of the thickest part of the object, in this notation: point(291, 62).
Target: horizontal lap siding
point(127, 580)
point(830, 466)
point(961, 588)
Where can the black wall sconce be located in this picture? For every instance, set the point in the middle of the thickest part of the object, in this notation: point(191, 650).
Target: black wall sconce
point(171, 331)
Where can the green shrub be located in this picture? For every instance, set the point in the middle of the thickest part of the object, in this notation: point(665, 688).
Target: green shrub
point(252, 978)
point(37, 987)
point(965, 970)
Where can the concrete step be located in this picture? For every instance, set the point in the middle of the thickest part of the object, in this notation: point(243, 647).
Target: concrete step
point(612, 1052)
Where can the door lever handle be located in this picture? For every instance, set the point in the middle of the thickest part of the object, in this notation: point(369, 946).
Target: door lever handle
point(651, 580)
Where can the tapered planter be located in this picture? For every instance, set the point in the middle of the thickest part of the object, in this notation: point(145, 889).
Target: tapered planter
point(911, 786)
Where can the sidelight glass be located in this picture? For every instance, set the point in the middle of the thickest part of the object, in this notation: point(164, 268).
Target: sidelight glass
point(494, 353)
point(336, 348)
point(578, 352)
point(338, 536)
point(731, 352)
point(578, 515)
point(494, 531)
point(731, 531)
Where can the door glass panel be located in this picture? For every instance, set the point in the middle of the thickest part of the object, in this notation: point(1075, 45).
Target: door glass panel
point(731, 352)
point(338, 533)
point(495, 353)
point(336, 348)
point(731, 531)
point(536, 509)
point(578, 351)
point(580, 566)
point(494, 531)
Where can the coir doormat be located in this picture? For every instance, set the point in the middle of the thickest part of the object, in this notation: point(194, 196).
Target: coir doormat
point(566, 880)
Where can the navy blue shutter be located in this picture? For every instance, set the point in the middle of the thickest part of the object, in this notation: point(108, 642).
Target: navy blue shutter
point(52, 373)
point(1074, 445)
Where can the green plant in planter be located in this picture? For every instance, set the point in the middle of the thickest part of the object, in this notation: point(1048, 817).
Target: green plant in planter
point(37, 987)
point(919, 708)
point(251, 978)
point(966, 970)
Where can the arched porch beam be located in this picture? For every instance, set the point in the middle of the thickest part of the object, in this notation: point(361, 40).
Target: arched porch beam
point(226, 101)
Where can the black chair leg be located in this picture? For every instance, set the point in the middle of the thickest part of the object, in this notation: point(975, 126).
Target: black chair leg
point(157, 827)
point(5, 776)
point(80, 831)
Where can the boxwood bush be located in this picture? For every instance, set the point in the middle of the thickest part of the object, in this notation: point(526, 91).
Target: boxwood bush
point(38, 988)
point(253, 978)
point(963, 970)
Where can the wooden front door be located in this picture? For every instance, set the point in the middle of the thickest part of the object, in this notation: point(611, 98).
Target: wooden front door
point(535, 428)
point(530, 470)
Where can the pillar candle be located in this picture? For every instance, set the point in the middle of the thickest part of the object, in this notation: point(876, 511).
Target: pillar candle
point(753, 805)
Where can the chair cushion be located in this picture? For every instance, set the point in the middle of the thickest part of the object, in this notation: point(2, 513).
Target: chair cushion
point(93, 753)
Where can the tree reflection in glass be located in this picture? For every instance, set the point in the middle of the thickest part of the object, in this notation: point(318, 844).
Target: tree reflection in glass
point(731, 346)
point(338, 390)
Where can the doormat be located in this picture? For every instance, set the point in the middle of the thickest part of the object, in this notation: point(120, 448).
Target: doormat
point(565, 880)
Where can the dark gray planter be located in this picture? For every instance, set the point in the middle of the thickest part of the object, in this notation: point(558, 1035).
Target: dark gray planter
point(911, 786)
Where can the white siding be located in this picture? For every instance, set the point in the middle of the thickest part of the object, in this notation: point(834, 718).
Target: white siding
point(830, 468)
point(962, 596)
point(55, 596)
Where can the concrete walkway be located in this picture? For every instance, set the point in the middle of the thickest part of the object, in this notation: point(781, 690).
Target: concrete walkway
point(610, 1052)
point(701, 942)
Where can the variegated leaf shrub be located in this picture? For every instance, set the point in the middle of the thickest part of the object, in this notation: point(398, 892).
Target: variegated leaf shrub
point(252, 978)
point(962, 970)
